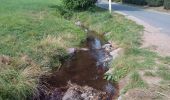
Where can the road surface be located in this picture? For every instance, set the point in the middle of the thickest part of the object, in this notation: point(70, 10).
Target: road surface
point(155, 19)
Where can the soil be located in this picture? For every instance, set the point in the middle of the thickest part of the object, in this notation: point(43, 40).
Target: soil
point(153, 38)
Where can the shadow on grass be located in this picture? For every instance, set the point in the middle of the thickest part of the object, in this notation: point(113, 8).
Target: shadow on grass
point(90, 9)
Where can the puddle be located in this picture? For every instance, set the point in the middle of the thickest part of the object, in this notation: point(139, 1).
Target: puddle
point(84, 68)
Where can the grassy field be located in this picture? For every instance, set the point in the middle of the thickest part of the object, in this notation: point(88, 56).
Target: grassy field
point(34, 36)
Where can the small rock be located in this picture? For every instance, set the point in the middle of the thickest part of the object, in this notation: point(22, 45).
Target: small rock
point(84, 49)
point(5, 59)
point(76, 92)
point(107, 47)
point(107, 33)
point(110, 71)
point(86, 30)
point(78, 23)
point(71, 50)
point(116, 52)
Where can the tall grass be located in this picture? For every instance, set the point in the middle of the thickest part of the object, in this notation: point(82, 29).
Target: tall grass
point(35, 36)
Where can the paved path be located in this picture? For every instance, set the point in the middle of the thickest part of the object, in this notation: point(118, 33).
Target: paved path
point(155, 19)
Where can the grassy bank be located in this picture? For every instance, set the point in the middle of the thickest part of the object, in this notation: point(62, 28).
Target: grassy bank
point(34, 36)
point(128, 35)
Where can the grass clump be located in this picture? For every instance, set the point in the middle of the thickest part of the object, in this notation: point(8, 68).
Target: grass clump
point(164, 72)
point(149, 73)
point(18, 81)
point(135, 82)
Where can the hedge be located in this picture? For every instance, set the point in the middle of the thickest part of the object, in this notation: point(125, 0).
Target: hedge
point(155, 3)
point(79, 4)
point(167, 4)
point(137, 2)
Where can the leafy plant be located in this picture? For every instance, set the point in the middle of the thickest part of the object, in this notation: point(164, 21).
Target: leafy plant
point(137, 2)
point(109, 77)
point(78, 4)
point(155, 3)
point(167, 4)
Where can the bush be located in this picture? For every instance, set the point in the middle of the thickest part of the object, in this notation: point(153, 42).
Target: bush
point(155, 3)
point(167, 4)
point(116, 0)
point(78, 4)
point(137, 2)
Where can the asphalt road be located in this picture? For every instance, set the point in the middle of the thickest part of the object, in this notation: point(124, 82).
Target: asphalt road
point(156, 19)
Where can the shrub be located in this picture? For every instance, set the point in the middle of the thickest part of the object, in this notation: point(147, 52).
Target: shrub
point(78, 4)
point(155, 3)
point(167, 4)
point(116, 0)
point(137, 2)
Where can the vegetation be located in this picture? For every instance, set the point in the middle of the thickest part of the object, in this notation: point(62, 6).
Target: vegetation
point(34, 36)
point(36, 33)
point(164, 72)
point(155, 3)
point(78, 4)
point(137, 2)
point(166, 4)
point(135, 82)
point(39, 32)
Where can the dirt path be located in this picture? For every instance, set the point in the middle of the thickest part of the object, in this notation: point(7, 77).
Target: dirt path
point(153, 38)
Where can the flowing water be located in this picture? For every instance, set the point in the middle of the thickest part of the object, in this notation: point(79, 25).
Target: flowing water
point(85, 67)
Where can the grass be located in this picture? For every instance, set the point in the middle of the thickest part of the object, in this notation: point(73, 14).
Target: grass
point(149, 73)
point(127, 34)
point(35, 37)
point(164, 72)
point(135, 82)
point(36, 33)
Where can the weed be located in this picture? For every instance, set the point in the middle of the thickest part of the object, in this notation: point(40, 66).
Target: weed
point(164, 72)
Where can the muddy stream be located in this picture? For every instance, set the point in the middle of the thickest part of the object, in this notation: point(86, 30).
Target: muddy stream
point(86, 67)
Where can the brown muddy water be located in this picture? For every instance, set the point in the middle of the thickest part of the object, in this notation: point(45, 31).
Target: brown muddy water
point(84, 68)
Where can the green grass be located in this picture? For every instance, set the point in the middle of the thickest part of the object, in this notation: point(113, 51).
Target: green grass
point(35, 30)
point(164, 73)
point(149, 73)
point(24, 29)
point(42, 30)
point(127, 34)
point(135, 82)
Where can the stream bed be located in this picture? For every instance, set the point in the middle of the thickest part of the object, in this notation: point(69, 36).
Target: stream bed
point(86, 67)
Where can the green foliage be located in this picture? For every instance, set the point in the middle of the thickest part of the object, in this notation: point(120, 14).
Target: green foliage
point(109, 77)
point(137, 2)
point(15, 83)
point(149, 73)
point(164, 72)
point(78, 4)
point(37, 29)
point(167, 4)
point(116, 0)
point(155, 3)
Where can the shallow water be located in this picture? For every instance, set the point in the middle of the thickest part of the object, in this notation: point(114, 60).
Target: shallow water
point(86, 67)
